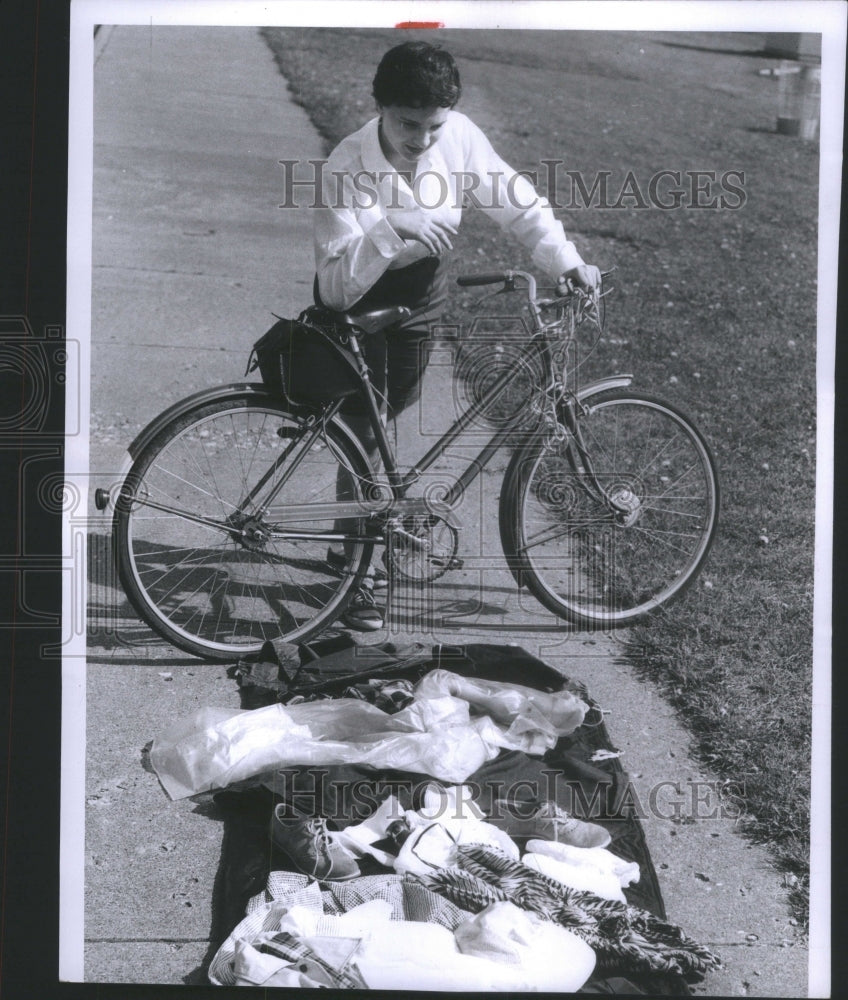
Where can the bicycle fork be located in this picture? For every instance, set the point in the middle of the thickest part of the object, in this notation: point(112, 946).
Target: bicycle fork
point(619, 500)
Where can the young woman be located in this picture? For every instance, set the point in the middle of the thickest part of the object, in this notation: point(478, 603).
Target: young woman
point(393, 197)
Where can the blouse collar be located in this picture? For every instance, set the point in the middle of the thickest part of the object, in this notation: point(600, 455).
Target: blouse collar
point(373, 158)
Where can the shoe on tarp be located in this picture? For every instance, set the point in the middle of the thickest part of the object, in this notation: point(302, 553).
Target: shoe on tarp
point(310, 846)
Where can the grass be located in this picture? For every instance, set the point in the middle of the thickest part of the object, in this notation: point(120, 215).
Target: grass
point(713, 309)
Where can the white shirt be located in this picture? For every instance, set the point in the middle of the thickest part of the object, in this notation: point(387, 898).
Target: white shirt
point(354, 239)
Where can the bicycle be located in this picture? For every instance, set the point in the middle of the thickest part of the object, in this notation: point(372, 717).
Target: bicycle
point(608, 507)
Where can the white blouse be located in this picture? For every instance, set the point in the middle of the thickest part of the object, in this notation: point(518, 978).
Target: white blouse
point(354, 239)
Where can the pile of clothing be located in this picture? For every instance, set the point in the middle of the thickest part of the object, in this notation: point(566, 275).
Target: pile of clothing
point(429, 823)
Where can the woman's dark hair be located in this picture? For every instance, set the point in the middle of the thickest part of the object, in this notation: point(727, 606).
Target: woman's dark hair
point(417, 75)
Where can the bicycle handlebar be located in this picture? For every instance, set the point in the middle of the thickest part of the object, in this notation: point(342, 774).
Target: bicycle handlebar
point(574, 292)
point(507, 277)
point(483, 279)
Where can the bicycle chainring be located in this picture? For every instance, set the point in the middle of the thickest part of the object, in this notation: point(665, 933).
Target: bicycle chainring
point(422, 547)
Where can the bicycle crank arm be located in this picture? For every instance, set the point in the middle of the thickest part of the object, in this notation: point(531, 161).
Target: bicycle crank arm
point(413, 541)
point(453, 563)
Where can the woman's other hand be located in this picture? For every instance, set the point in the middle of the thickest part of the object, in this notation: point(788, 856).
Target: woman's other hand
point(587, 277)
point(415, 224)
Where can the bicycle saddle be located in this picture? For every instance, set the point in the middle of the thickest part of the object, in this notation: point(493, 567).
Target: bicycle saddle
point(372, 321)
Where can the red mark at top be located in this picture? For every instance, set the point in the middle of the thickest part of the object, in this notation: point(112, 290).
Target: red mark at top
point(420, 24)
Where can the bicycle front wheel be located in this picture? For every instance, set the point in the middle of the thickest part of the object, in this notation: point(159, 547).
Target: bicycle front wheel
point(204, 553)
point(594, 562)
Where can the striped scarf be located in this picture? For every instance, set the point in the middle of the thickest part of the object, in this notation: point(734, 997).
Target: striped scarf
point(623, 937)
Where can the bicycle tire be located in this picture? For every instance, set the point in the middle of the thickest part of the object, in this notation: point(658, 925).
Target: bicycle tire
point(570, 551)
point(210, 592)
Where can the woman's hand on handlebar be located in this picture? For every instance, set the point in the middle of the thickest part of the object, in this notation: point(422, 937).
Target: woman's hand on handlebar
point(586, 277)
point(422, 227)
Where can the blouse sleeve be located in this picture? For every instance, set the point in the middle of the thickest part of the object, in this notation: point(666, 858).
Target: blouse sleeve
point(353, 246)
point(513, 203)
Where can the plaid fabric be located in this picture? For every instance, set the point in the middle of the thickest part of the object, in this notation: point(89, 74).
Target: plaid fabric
point(624, 938)
point(261, 922)
point(309, 964)
point(290, 887)
point(409, 901)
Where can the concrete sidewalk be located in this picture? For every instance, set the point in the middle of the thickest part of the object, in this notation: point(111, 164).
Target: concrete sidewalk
point(191, 258)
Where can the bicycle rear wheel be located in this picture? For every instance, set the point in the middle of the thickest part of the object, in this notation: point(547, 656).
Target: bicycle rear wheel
point(587, 563)
point(200, 559)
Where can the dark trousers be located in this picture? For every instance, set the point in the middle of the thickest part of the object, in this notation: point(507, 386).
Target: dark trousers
point(396, 361)
point(396, 358)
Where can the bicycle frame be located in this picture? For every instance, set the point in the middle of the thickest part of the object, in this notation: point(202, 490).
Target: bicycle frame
point(396, 502)
point(398, 483)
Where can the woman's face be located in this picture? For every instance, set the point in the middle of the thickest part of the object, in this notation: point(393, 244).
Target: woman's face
point(407, 133)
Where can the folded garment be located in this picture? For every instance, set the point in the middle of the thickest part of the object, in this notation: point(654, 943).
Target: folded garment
point(552, 959)
point(322, 961)
point(433, 845)
point(406, 960)
point(251, 967)
point(556, 859)
point(587, 878)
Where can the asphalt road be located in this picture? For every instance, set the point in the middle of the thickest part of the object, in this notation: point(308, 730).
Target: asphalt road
point(191, 257)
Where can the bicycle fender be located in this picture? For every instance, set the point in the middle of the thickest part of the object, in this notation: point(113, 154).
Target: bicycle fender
point(211, 395)
point(599, 385)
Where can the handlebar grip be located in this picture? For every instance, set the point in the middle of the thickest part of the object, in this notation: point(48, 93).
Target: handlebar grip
point(481, 279)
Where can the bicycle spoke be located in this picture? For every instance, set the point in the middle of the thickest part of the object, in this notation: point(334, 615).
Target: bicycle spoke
point(664, 537)
point(549, 535)
point(654, 509)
